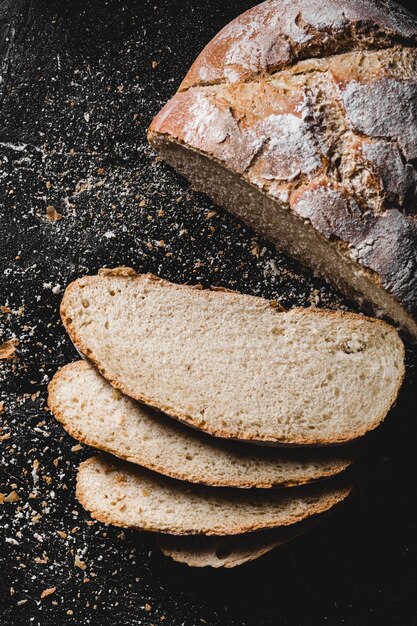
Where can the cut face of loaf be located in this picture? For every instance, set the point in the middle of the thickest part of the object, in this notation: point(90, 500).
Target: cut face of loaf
point(95, 413)
point(234, 365)
point(301, 119)
point(232, 551)
point(128, 496)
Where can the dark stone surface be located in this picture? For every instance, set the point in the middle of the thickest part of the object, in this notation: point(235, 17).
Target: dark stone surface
point(78, 89)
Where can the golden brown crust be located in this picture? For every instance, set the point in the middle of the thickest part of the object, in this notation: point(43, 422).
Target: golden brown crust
point(277, 33)
point(292, 94)
point(338, 495)
point(190, 420)
point(409, 291)
point(122, 270)
point(384, 239)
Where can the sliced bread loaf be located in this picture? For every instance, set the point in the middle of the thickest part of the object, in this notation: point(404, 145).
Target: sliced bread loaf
point(300, 118)
point(126, 495)
point(233, 365)
point(231, 551)
point(95, 413)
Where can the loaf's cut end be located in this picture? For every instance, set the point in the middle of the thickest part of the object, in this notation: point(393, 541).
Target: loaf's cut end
point(301, 119)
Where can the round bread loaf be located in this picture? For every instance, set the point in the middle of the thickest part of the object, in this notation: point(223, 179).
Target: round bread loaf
point(300, 117)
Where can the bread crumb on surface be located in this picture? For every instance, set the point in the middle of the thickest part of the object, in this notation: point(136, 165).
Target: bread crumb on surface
point(8, 349)
point(79, 563)
point(48, 592)
point(52, 214)
point(12, 497)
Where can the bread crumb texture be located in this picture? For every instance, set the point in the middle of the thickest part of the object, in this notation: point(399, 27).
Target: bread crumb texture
point(131, 497)
point(231, 365)
point(93, 412)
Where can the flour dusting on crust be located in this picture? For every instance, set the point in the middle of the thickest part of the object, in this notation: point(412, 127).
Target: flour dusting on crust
point(315, 105)
point(384, 108)
point(291, 149)
point(277, 33)
point(398, 179)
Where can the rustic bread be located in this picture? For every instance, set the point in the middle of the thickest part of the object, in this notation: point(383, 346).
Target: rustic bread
point(233, 365)
point(126, 495)
point(97, 414)
point(231, 551)
point(300, 117)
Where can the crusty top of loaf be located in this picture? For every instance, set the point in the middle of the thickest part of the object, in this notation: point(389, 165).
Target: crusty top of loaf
point(334, 138)
point(278, 33)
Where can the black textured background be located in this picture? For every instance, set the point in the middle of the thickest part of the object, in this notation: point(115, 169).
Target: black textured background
point(80, 82)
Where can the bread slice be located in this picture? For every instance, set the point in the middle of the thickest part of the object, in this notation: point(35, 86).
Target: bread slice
point(95, 413)
point(228, 552)
point(231, 551)
point(126, 495)
point(233, 365)
point(299, 117)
